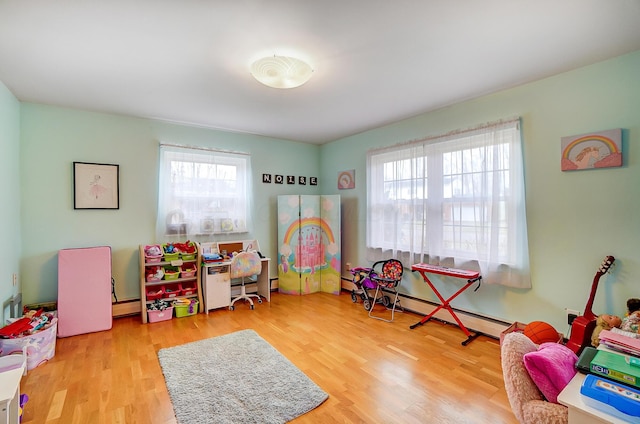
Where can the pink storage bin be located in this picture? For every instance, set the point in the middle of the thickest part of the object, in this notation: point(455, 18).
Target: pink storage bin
point(172, 291)
point(188, 288)
point(152, 253)
point(154, 273)
point(156, 316)
point(41, 346)
point(154, 293)
point(187, 271)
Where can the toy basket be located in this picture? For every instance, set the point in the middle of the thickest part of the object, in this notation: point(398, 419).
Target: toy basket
point(516, 327)
point(187, 271)
point(154, 273)
point(152, 253)
point(186, 310)
point(170, 255)
point(154, 293)
point(172, 291)
point(164, 315)
point(188, 288)
point(171, 273)
point(187, 250)
point(40, 346)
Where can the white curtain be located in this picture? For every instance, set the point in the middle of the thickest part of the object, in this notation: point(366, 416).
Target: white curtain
point(202, 193)
point(454, 200)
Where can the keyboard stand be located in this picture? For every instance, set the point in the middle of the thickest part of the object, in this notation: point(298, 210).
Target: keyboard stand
point(470, 276)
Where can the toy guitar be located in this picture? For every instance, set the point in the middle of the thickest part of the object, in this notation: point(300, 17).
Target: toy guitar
point(582, 327)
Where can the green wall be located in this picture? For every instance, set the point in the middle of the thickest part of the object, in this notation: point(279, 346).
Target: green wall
point(11, 245)
point(574, 218)
point(53, 138)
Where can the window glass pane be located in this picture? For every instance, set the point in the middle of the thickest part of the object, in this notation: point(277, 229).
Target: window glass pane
point(451, 197)
point(202, 193)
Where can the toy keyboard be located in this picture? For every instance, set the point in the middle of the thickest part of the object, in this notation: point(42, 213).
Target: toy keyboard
point(443, 270)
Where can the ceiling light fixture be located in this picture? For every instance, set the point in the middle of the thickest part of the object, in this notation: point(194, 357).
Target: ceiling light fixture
point(281, 71)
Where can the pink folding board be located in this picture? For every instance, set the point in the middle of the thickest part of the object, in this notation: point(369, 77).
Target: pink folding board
point(84, 290)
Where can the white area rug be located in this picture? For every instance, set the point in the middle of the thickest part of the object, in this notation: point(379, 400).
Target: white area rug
point(236, 378)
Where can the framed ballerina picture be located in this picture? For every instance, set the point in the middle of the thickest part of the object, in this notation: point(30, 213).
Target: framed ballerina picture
point(96, 186)
point(594, 150)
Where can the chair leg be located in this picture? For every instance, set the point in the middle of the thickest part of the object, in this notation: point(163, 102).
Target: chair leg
point(243, 295)
point(393, 308)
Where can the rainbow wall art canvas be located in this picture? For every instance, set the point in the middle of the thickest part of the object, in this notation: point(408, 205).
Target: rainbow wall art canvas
point(594, 150)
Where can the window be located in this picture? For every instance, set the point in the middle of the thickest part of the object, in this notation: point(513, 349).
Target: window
point(453, 200)
point(202, 192)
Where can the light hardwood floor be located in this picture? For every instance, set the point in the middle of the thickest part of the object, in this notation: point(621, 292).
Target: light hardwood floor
point(373, 371)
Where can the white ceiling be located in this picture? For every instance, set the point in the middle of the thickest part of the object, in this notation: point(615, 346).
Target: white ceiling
point(375, 61)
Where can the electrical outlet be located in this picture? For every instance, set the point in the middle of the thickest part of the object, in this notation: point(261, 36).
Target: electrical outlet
point(571, 315)
point(15, 279)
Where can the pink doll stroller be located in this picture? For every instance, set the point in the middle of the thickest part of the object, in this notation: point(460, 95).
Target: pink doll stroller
point(383, 276)
point(362, 281)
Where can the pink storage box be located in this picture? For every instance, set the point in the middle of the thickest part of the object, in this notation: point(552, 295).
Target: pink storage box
point(172, 291)
point(188, 288)
point(187, 271)
point(41, 346)
point(149, 257)
point(154, 293)
point(156, 316)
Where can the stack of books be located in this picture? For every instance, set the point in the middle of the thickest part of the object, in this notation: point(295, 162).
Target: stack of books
point(614, 383)
point(620, 342)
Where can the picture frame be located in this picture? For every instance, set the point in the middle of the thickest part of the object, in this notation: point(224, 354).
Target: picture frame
point(207, 225)
point(347, 179)
point(601, 149)
point(96, 186)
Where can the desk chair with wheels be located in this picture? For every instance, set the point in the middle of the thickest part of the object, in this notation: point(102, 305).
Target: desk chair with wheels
point(244, 265)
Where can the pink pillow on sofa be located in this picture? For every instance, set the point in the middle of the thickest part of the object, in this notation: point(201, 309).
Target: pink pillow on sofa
point(551, 367)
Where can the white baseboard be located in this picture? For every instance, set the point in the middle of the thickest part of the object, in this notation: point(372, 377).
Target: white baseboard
point(474, 322)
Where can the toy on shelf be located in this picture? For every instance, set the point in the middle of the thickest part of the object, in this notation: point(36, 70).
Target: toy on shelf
point(604, 322)
point(631, 322)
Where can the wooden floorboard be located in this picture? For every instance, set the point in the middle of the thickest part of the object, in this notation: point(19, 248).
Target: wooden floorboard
point(373, 371)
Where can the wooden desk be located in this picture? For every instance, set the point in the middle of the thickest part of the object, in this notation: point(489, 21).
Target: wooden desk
point(216, 284)
point(579, 411)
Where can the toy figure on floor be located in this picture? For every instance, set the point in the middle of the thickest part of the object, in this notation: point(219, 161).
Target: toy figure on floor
point(631, 322)
point(604, 322)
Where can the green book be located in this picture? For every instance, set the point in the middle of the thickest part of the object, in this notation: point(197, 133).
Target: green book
point(616, 366)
